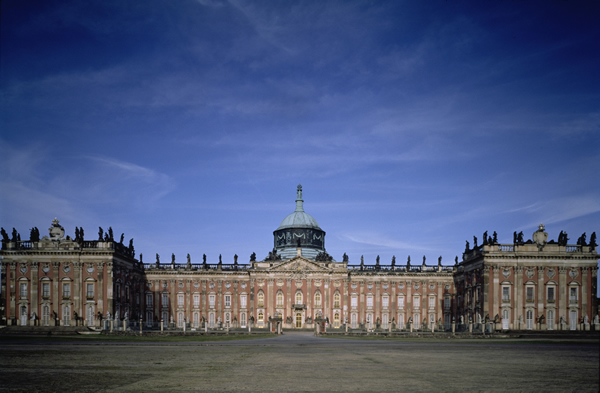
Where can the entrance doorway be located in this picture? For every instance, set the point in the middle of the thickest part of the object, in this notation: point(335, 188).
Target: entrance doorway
point(298, 320)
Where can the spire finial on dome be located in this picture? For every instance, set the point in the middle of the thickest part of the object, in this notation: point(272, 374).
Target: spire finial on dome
point(299, 201)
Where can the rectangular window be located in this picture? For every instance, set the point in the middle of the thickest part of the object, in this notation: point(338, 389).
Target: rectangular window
point(400, 301)
point(90, 291)
point(243, 301)
point(211, 301)
point(23, 290)
point(137, 299)
point(66, 290)
point(385, 302)
point(354, 302)
point(149, 300)
point(46, 290)
point(447, 303)
point(369, 301)
point(165, 300)
point(572, 295)
point(505, 294)
point(417, 302)
point(227, 301)
point(196, 300)
point(550, 295)
point(180, 300)
point(432, 302)
point(529, 296)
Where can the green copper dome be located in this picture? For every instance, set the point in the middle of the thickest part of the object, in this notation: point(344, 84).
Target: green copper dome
point(299, 218)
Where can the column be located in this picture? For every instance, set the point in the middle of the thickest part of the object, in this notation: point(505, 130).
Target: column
point(361, 303)
point(109, 289)
point(55, 290)
point(326, 297)
point(540, 293)
point(100, 296)
point(584, 294)
point(35, 283)
point(562, 294)
point(288, 300)
point(77, 295)
point(497, 297)
point(487, 291)
point(518, 272)
point(309, 298)
point(270, 297)
point(377, 313)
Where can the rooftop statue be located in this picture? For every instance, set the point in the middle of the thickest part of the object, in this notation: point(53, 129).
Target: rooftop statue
point(299, 192)
point(4, 235)
point(485, 238)
point(345, 257)
point(467, 248)
point(424, 260)
point(100, 234)
point(593, 243)
point(157, 259)
point(189, 260)
point(408, 263)
point(393, 261)
point(456, 260)
point(474, 242)
point(172, 259)
point(122, 238)
point(495, 238)
point(253, 257)
point(440, 261)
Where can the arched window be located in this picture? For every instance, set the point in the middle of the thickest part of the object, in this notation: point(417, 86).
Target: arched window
point(336, 320)
point(261, 319)
point(550, 320)
point(46, 315)
point(279, 299)
point(90, 315)
point(336, 300)
point(196, 319)
point(180, 320)
point(317, 299)
point(298, 297)
point(261, 299)
point(243, 319)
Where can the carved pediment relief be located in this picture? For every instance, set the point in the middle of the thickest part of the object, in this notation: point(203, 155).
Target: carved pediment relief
point(298, 264)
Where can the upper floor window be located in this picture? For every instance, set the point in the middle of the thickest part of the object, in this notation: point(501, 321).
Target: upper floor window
point(318, 299)
point(243, 301)
point(431, 302)
point(117, 291)
point(90, 291)
point(261, 299)
point(400, 301)
point(550, 295)
point(354, 301)
point(227, 301)
point(369, 301)
point(573, 295)
point(46, 289)
point(149, 299)
point(196, 300)
point(165, 300)
point(505, 294)
point(180, 300)
point(447, 303)
point(279, 299)
point(385, 302)
point(23, 290)
point(416, 302)
point(211, 301)
point(66, 287)
point(298, 297)
point(529, 294)
point(336, 300)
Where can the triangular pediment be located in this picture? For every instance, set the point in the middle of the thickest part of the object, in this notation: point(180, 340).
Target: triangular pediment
point(298, 263)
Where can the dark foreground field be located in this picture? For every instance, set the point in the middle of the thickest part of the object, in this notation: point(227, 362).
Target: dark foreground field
point(297, 362)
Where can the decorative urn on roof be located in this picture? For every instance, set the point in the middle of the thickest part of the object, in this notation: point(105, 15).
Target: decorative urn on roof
point(299, 230)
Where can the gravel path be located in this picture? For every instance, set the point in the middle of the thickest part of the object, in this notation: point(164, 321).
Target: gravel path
point(298, 362)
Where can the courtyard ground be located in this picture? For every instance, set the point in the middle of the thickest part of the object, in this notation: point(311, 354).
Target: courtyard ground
point(297, 362)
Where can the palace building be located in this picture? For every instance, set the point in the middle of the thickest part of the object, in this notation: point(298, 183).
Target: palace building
point(536, 284)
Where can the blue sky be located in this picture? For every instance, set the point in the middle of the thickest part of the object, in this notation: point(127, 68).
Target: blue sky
point(412, 126)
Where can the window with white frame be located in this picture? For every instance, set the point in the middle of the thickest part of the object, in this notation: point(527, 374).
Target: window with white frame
point(354, 301)
point(165, 300)
point(416, 302)
point(227, 301)
point(196, 319)
point(336, 300)
point(431, 302)
point(279, 299)
point(23, 290)
point(529, 291)
point(506, 294)
point(243, 301)
point(149, 300)
point(261, 299)
point(446, 303)
point(550, 294)
point(573, 295)
point(180, 300)
point(211, 301)
point(298, 297)
point(196, 300)
point(369, 300)
point(165, 316)
point(400, 301)
point(385, 301)
point(148, 318)
point(66, 290)
point(317, 299)
point(243, 319)
point(45, 289)
point(90, 290)
point(118, 291)
point(180, 320)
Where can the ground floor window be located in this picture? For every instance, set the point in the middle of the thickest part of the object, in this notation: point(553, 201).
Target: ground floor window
point(211, 320)
point(149, 318)
point(505, 319)
point(529, 315)
point(90, 315)
point(243, 319)
point(227, 319)
point(336, 320)
point(400, 321)
point(447, 321)
point(384, 321)
point(45, 315)
point(431, 320)
point(417, 321)
point(370, 321)
point(550, 320)
point(354, 320)
point(261, 319)
point(298, 320)
point(573, 319)
point(66, 315)
point(165, 317)
point(196, 319)
point(180, 320)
